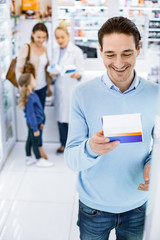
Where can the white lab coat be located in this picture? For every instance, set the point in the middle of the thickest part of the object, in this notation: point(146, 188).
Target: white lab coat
point(64, 85)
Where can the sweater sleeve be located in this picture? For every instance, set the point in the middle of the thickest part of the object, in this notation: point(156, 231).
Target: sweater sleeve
point(78, 155)
point(21, 59)
point(149, 157)
point(31, 117)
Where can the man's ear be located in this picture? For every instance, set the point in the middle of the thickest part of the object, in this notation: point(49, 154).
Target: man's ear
point(139, 48)
point(100, 49)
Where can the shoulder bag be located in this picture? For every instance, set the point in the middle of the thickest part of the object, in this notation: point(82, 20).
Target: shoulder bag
point(28, 68)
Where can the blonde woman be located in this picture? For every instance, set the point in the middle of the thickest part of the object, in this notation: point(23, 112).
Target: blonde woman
point(30, 103)
point(39, 59)
point(65, 54)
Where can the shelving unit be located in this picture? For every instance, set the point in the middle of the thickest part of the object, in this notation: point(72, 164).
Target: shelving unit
point(83, 20)
point(7, 117)
point(151, 9)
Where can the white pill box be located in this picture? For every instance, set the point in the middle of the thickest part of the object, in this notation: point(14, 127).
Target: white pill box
point(69, 70)
point(126, 128)
point(54, 69)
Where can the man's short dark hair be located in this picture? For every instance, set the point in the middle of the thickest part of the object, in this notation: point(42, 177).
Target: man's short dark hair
point(119, 25)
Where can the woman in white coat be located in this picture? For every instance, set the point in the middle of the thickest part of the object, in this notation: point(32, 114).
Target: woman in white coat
point(66, 54)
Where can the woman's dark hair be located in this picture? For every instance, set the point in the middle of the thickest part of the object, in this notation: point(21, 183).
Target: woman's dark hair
point(39, 27)
point(119, 25)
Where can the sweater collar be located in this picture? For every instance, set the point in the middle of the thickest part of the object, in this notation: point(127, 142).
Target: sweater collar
point(107, 81)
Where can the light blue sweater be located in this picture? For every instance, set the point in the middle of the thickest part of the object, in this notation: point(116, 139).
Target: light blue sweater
point(109, 183)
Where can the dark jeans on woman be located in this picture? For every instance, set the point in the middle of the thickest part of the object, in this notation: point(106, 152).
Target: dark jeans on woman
point(97, 225)
point(42, 96)
point(32, 141)
point(63, 132)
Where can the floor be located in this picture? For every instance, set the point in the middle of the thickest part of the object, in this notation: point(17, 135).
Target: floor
point(38, 203)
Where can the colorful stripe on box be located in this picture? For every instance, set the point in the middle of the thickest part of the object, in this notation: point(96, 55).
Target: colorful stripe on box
point(70, 71)
point(126, 137)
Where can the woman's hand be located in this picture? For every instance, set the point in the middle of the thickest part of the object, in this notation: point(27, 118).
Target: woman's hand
point(49, 92)
point(76, 75)
point(52, 75)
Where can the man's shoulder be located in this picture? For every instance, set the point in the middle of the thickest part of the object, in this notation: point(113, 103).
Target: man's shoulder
point(88, 85)
point(149, 84)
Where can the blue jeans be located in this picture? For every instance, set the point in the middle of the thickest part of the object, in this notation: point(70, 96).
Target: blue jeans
point(96, 225)
point(32, 141)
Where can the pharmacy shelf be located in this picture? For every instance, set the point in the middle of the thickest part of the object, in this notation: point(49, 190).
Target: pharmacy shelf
point(73, 8)
point(87, 28)
point(84, 20)
point(154, 19)
point(154, 29)
point(7, 113)
point(64, 17)
point(153, 40)
point(141, 8)
point(86, 38)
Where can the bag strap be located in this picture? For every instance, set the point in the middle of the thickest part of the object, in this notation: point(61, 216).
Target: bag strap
point(29, 50)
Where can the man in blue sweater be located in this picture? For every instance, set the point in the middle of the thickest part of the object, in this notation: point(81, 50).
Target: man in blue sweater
point(113, 177)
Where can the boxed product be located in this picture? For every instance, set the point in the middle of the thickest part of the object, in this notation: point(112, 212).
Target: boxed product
point(68, 69)
point(126, 128)
point(54, 69)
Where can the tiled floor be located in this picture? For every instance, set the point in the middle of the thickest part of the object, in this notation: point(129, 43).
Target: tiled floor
point(38, 203)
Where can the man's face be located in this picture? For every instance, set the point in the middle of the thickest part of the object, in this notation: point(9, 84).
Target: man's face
point(119, 55)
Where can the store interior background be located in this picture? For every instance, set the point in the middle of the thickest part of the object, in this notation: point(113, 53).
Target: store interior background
point(83, 19)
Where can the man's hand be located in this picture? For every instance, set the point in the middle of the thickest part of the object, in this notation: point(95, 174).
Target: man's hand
point(36, 134)
point(146, 174)
point(101, 145)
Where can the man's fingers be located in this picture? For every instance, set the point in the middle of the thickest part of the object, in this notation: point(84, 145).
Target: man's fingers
point(99, 137)
point(146, 172)
point(102, 145)
point(100, 132)
point(143, 187)
point(102, 149)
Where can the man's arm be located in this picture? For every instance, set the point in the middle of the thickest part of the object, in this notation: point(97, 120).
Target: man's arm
point(146, 171)
point(81, 151)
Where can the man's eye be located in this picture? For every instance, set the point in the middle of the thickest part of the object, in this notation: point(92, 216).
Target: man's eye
point(127, 55)
point(110, 56)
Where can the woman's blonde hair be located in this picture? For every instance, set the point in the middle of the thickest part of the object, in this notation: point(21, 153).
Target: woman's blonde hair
point(24, 81)
point(62, 27)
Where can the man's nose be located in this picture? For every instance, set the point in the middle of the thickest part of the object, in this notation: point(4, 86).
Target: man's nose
point(118, 62)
